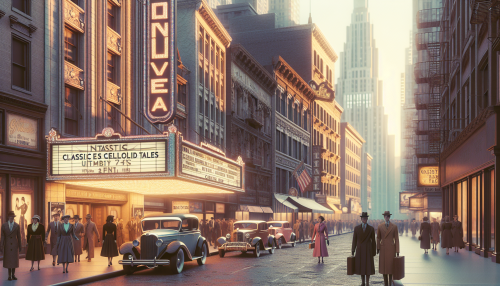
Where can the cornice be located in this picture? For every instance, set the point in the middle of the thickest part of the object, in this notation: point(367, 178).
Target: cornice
point(209, 16)
point(288, 74)
point(324, 43)
point(257, 71)
point(16, 101)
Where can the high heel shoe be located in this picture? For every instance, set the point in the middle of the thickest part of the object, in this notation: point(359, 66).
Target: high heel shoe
point(32, 268)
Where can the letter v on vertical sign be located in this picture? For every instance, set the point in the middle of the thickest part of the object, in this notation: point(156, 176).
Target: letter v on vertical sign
point(162, 70)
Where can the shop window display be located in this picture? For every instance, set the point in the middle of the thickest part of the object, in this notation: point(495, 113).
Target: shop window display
point(22, 190)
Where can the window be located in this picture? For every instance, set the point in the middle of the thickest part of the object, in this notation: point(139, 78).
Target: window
point(181, 91)
point(70, 46)
point(22, 5)
point(112, 19)
point(71, 112)
point(111, 67)
point(185, 224)
point(20, 63)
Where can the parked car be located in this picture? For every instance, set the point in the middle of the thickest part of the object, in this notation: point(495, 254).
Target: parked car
point(248, 235)
point(169, 239)
point(283, 232)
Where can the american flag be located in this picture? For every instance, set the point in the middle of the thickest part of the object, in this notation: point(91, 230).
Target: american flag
point(302, 176)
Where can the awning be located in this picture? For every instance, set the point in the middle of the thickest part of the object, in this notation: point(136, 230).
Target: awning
point(335, 209)
point(308, 205)
point(267, 210)
point(251, 209)
point(282, 200)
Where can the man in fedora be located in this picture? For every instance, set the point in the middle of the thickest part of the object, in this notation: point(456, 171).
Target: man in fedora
point(88, 239)
point(10, 245)
point(79, 233)
point(52, 230)
point(363, 243)
point(387, 247)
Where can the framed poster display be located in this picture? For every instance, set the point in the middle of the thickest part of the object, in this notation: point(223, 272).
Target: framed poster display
point(22, 190)
point(138, 211)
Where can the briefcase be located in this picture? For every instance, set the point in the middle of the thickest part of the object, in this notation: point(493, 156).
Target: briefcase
point(351, 264)
point(398, 268)
point(311, 245)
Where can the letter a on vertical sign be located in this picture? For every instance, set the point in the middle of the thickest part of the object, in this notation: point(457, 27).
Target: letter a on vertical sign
point(161, 68)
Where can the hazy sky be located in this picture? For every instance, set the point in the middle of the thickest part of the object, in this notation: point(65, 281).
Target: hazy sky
point(391, 21)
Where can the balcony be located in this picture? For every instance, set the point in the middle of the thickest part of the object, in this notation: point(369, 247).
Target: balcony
point(429, 18)
point(252, 160)
point(430, 40)
point(421, 101)
point(73, 75)
point(113, 93)
point(74, 16)
point(425, 71)
point(255, 118)
point(114, 41)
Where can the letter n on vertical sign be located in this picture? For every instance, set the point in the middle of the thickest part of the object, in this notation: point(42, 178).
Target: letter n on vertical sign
point(317, 168)
point(161, 68)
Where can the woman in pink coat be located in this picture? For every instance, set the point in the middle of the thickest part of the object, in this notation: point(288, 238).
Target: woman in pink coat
point(320, 236)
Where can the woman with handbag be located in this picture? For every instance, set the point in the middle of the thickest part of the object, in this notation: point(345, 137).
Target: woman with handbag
point(36, 235)
point(320, 237)
point(425, 235)
point(447, 236)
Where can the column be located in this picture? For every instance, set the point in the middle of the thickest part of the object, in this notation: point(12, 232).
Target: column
point(496, 152)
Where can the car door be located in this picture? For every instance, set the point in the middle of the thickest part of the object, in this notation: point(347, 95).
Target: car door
point(187, 236)
point(263, 233)
point(287, 231)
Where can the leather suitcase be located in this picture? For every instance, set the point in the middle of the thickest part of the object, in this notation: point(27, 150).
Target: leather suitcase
point(398, 270)
point(311, 245)
point(351, 264)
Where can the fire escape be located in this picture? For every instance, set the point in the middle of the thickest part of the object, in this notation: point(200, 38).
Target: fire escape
point(432, 74)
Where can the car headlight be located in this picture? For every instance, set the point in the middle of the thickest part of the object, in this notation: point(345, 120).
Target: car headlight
point(247, 235)
point(159, 242)
point(228, 236)
point(135, 243)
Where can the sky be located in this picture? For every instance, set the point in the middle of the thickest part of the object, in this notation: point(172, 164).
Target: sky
point(391, 21)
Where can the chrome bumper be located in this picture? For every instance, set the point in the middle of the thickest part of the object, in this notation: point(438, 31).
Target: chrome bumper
point(236, 246)
point(150, 263)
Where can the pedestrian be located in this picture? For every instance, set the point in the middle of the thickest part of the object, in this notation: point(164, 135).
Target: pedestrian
point(131, 226)
point(458, 233)
point(88, 242)
point(320, 237)
point(312, 224)
point(10, 245)
point(406, 226)
point(364, 245)
point(435, 230)
point(446, 235)
point(119, 233)
point(35, 238)
point(425, 235)
point(65, 250)
point(387, 247)
point(109, 247)
point(138, 226)
point(218, 229)
point(52, 230)
point(413, 227)
point(79, 233)
point(212, 232)
point(301, 231)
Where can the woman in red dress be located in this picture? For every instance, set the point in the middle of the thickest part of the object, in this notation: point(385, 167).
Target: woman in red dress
point(320, 236)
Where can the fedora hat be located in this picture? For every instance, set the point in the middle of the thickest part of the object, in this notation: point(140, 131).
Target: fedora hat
point(37, 217)
point(11, 213)
point(386, 213)
point(364, 214)
point(88, 216)
point(76, 217)
point(56, 213)
point(65, 216)
point(426, 218)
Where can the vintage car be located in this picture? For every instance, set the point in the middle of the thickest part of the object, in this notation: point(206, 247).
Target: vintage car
point(167, 239)
point(248, 235)
point(283, 233)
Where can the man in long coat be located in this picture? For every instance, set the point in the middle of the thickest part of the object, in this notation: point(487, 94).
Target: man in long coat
point(364, 244)
point(302, 227)
point(211, 232)
point(79, 232)
point(88, 240)
point(387, 246)
point(10, 245)
point(413, 227)
point(406, 227)
point(131, 226)
point(52, 230)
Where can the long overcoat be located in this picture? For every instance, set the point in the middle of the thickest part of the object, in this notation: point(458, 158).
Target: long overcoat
point(458, 234)
point(413, 226)
point(88, 242)
point(79, 233)
point(11, 245)
point(52, 231)
point(425, 235)
point(388, 244)
point(446, 235)
point(364, 244)
point(320, 234)
point(435, 230)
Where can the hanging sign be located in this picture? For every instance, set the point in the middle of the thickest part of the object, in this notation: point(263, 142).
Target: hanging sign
point(428, 176)
point(160, 100)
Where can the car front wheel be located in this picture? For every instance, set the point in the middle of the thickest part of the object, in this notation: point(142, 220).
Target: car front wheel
point(129, 270)
point(204, 253)
point(256, 251)
point(177, 261)
point(280, 242)
point(222, 253)
point(273, 246)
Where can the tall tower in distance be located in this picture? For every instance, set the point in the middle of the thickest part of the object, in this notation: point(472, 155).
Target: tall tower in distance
point(359, 92)
point(261, 6)
point(287, 12)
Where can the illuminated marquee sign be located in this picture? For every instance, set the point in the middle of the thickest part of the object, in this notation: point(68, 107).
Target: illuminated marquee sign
point(160, 102)
point(210, 168)
point(428, 176)
point(108, 158)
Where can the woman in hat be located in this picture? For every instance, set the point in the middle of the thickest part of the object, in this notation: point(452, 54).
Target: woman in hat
point(65, 249)
point(109, 248)
point(425, 235)
point(447, 236)
point(320, 236)
point(36, 235)
point(458, 233)
point(435, 232)
point(79, 232)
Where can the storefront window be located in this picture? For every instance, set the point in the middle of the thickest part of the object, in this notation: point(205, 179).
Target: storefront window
point(22, 190)
point(464, 209)
point(492, 212)
point(474, 211)
point(459, 202)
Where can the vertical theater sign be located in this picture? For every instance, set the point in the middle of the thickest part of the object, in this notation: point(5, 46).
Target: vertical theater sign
point(161, 69)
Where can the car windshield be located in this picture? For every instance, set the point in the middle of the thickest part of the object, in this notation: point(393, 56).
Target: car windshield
point(245, 225)
point(274, 224)
point(160, 224)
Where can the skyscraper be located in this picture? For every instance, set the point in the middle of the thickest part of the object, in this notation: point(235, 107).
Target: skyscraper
point(287, 12)
point(360, 93)
point(261, 6)
point(214, 3)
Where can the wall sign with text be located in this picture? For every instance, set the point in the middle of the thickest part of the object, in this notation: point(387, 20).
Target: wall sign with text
point(22, 131)
point(161, 68)
point(108, 158)
point(428, 176)
point(317, 169)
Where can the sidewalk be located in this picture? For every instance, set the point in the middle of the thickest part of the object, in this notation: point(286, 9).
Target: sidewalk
point(437, 268)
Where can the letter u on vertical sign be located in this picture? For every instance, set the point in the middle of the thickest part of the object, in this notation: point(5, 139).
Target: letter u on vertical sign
point(161, 52)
